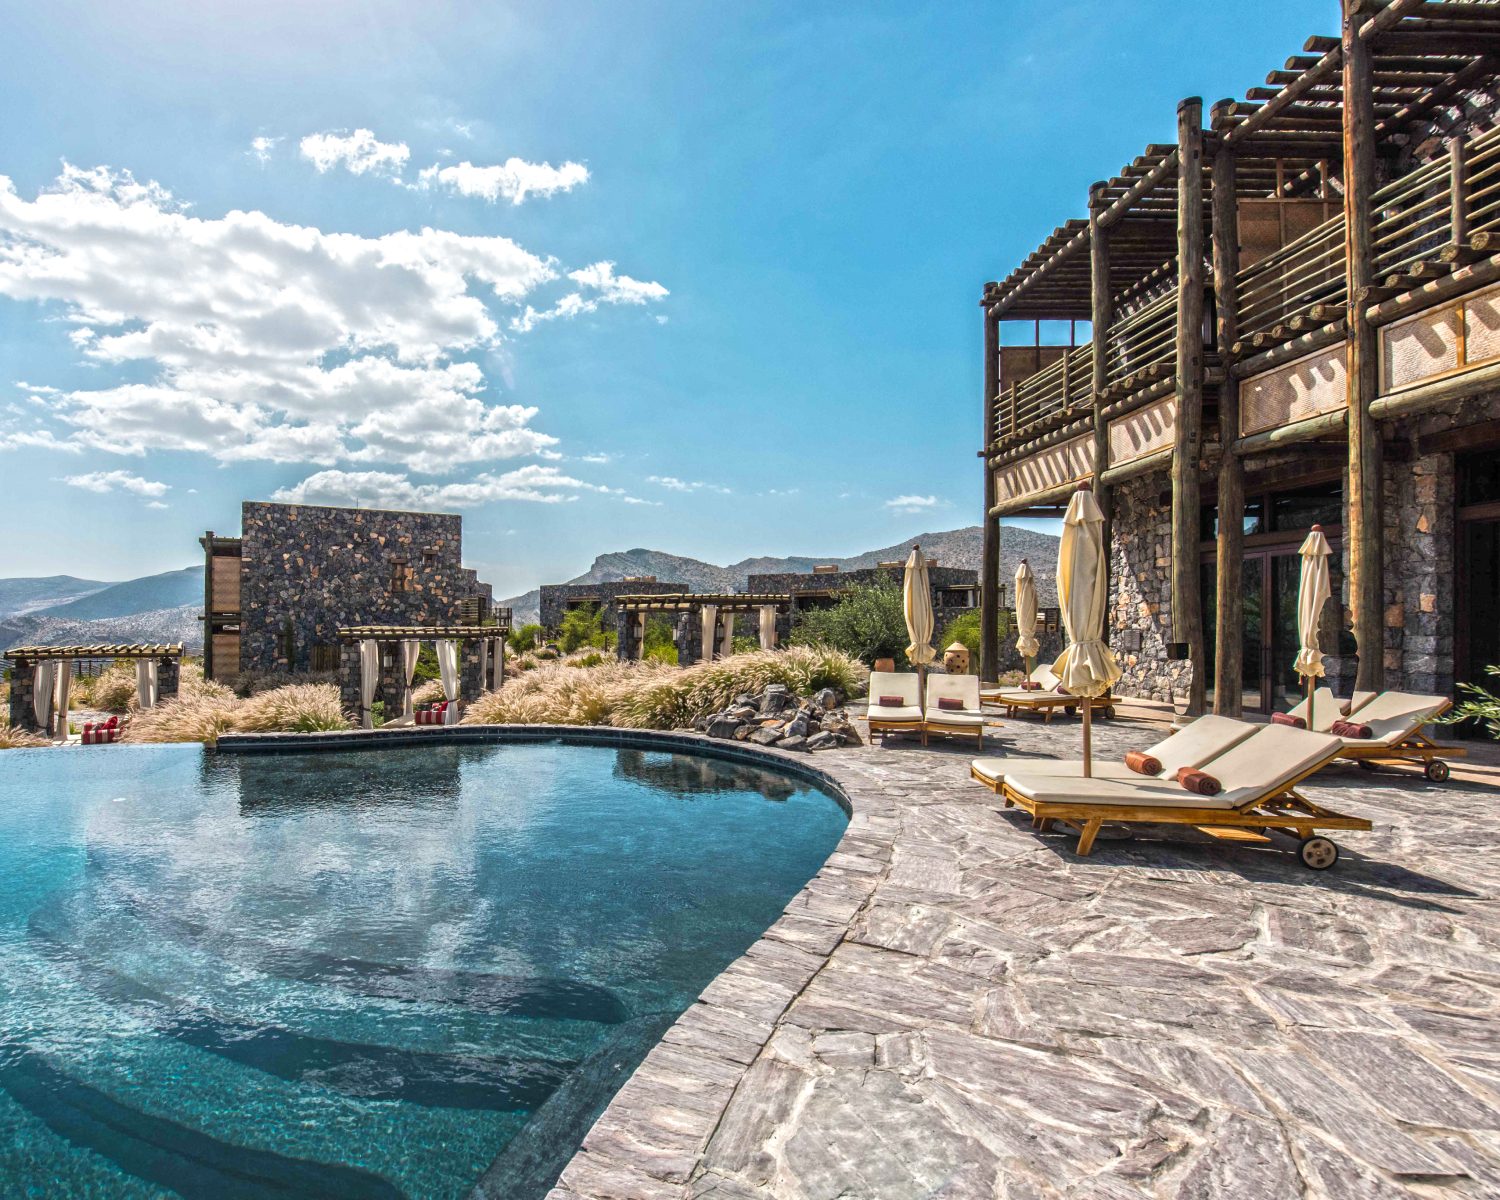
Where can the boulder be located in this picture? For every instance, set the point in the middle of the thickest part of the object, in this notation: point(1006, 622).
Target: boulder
point(774, 699)
point(723, 726)
point(743, 711)
point(765, 735)
point(797, 726)
point(794, 742)
point(826, 699)
point(821, 741)
point(743, 732)
point(746, 700)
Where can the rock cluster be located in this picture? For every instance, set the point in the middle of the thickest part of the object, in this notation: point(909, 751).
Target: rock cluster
point(780, 718)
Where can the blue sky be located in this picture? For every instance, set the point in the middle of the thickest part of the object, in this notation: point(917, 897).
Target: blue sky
point(701, 278)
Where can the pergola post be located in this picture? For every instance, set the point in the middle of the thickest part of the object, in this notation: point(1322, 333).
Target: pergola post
point(1187, 617)
point(1364, 476)
point(1101, 316)
point(989, 578)
point(1229, 642)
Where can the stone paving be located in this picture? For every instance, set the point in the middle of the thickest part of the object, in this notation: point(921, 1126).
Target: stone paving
point(959, 1006)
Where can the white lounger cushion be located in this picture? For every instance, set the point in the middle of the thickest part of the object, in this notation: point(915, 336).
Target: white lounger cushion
point(1271, 757)
point(879, 714)
point(1256, 769)
point(1394, 715)
point(890, 683)
point(1360, 700)
point(1193, 746)
point(957, 720)
point(1148, 793)
point(1327, 708)
point(963, 688)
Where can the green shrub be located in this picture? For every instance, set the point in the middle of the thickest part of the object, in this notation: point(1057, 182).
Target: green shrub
point(659, 646)
point(525, 638)
point(1482, 705)
point(744, 645)
point(868, 623)
point(965, 629)
point(588, 660)
point(583, 626)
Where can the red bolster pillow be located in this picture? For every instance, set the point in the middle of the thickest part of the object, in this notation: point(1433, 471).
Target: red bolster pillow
point(1029, 686)
point(1288, 719)
point(950, 702)
point(1349, 729)
point(1142, 763)
point(1062, 691)
point(1198, 781)
point(890, 702)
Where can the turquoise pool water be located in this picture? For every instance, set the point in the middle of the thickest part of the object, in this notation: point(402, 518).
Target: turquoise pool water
point(359, 974)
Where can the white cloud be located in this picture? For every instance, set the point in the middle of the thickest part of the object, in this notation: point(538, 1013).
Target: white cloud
point(359, 151)
point(617, 289)
point(515, 180)
point(158, 504)
point(262, 147)
point(108, 481)
point(672, 483)
point(601, 457)
point(382, 489)
point(911, 504)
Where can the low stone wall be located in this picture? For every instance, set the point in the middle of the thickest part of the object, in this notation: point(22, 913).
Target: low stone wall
point(1140, 591)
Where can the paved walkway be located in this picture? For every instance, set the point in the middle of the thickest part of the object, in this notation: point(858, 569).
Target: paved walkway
point(958, 1006)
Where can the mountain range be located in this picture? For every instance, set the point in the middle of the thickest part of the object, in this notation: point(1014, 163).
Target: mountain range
point(63, 610)
point(953, 548)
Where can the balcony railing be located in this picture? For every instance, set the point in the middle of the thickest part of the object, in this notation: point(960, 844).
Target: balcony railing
point(1142, 346)
point(1302, 284)
point(1061, 387)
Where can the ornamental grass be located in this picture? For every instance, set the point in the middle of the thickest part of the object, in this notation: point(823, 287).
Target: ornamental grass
point(298, 708)
point(649, 695)
point(19, 739)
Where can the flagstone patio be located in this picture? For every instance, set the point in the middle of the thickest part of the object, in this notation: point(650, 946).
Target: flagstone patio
point(957, 1005)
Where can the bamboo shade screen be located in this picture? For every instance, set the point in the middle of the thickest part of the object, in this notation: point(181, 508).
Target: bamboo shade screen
point(1142, 432)
point(1314, 384)
point(1450, 337)
point(1065, 463)
point(226, 657)
point(227, 584)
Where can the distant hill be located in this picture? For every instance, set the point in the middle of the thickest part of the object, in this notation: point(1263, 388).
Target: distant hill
point(26, 595)
point(180, 624)
point(954, 548)
point(150, 593)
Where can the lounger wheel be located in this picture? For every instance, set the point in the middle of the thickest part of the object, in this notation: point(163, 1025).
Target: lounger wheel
point(1070, 709)
point(1109, 712)
point(1366, 765)
point(1436, 770)
point(1318, 852)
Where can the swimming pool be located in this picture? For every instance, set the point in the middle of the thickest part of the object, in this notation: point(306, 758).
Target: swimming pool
point(360, 974)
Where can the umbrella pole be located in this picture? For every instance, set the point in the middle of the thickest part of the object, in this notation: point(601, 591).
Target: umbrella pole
point(1310, 724)
point(1088, 706)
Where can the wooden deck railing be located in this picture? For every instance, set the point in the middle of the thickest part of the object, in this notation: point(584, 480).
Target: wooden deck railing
point(1060, 387)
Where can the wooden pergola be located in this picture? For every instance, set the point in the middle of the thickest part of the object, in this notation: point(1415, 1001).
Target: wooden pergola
point(699, 610)
point(691, 601)
point(1157, 263)
point(40, 653)
point(421, 633)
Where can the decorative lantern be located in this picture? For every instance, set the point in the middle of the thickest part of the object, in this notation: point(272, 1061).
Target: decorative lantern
point(956, 659)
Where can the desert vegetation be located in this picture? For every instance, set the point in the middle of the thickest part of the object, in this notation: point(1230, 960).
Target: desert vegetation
point(867, 624)
point(654, 695)
point(203, 709)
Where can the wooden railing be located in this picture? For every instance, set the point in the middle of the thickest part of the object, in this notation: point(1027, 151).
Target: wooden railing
point(1302, 284)
point(1142, 345)
point(1065, 385)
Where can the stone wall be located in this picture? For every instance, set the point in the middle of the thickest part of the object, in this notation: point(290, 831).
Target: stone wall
point(308, 570)
point(391, 688)
point(1140, 591)
point(555, 597)
point(22, 688)
point(1418, 521)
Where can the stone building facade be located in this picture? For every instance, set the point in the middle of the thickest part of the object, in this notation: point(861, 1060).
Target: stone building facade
point(306, 571)
point(955, 591)
point(558, 598)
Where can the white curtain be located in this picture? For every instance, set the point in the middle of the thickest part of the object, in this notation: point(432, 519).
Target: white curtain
point(726, 646)
point(410, 652)
point(767, 626)
point(499, 663)
point(41, 691)
point(484, 663)
point(710, 616)
point(640, 646)
point(145, 682)
point(369, 676)
point(447, 656)
point(64, 684)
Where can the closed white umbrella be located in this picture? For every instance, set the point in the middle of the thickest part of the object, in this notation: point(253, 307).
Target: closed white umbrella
point(1026, 641)
point(916, 600)
point(1086, 668)
point(1312, 593)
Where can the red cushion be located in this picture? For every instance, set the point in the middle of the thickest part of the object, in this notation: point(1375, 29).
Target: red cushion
point(1198, 781)
point(1143, 763)
point(1349, 729)
point(1029, 686)
point(890, 702)
point(950, 702)
point(1288, 719)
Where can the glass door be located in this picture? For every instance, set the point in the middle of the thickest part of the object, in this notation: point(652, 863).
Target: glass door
point(1252, 662)
point(1281, 638)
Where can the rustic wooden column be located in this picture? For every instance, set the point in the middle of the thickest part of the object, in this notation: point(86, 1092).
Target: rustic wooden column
point(1363, 481)
point(1229, 640)
point(1187, 615)
point(989, 579)
point(1101, 314)
point(208, 604)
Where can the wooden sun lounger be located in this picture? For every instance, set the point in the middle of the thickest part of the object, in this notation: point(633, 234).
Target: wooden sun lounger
point(905, 719)
point(1275, 806)
point(1403, 745)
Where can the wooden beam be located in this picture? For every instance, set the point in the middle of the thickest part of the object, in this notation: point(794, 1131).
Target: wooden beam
point(1287, 435)
point(989, 578)
point(1187, 617)
point(1101, 316)
point(1148, 184)
point(1362, 535)
point(1060, 256)
point(1229, 607)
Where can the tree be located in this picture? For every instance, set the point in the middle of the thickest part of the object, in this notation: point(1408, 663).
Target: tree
point(868, 622)
point(659, 645)
point(582, 626)
point(524, 638)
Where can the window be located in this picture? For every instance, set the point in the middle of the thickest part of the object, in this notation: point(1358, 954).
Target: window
point(1255, 521)
point(325, 658)
point(1478, 477)
point(400, 574)
point(1301, 508)
point(429, 558)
